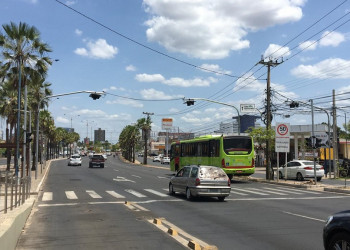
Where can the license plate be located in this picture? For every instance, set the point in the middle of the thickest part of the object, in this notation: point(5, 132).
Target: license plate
point(239, 171)
point(213, 190)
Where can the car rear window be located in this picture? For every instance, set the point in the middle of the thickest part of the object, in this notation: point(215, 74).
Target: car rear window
point(98, 156)
point(308, 163)
point(75, 156)
point(211, 173)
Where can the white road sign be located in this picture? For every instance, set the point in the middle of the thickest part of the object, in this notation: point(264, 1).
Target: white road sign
point(248, 108)
point(282, 139)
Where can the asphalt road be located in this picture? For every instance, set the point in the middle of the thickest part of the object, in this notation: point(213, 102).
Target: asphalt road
point(83, 208)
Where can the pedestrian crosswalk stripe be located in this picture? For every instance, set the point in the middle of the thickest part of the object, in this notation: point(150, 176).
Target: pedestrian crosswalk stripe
point(93, 194)
point(47, 196)
point(156, 192)
point(248, 191)
point(133, 192)
point(269, 191)
point(302, 190)
point(114, 194)
point(71, 195)
point(284, 190)
point(239, 193)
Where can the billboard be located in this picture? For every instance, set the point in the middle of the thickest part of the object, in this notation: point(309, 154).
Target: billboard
point(167, 123)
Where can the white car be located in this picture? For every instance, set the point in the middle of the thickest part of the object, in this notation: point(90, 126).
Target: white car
point(74, 160)
point(156, 158)
point(301, 169)
point(165, 160)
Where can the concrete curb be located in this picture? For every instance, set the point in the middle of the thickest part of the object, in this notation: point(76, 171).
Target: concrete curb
point(13, 223)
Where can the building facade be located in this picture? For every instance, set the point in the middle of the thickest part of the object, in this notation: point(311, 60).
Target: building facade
point(100, 135)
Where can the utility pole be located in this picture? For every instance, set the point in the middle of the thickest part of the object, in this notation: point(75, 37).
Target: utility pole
point(268, 115)
point(146, 136)
point(335, 136)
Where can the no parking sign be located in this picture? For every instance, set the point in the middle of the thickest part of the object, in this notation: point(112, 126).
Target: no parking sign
point(282, 140)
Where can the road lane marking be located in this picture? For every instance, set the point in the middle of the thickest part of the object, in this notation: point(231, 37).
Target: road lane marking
point(137, 194)
point(156, 193)
point(47, 196)
point(287, 198)
point(303, 216)
point(114, 194)
point(136, 176)
point(162, 177)
point(93, 194)
point(71, 195)
point(120, 178)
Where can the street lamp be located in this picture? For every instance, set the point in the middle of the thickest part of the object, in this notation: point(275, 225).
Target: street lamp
point(190, 101)
point(93, 94)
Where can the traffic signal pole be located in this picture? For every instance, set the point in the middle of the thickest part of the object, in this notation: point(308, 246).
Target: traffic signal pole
point(313, 139)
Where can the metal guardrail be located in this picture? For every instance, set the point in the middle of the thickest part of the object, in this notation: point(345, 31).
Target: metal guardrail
point(14, 191)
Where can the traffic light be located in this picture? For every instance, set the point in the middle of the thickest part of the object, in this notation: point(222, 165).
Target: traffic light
point(294, 104)
point(308, 142)
point(189, 102)
point(29, 137)
point(318, 143)
point(95, 96)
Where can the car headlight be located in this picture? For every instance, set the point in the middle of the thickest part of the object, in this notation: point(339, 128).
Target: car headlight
point(330, 218)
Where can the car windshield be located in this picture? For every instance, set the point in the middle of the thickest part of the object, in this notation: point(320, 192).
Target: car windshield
point(237, 145)
point(211, 173)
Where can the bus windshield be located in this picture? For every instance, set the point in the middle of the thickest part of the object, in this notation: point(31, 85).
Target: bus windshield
point(237, 145)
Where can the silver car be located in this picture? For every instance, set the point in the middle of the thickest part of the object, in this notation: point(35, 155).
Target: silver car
point(196, 181)
point(75, 160)
point(301, 169)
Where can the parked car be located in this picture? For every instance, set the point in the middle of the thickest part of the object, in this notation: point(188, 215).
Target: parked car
point(97, 160)
point(156, 158)
point(196, 181)
point(336, 232)
point(75, 160)
point(301, 169)
point(140, 154)
point(165, 160)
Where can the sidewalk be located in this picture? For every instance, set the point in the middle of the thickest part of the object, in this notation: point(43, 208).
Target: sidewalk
point(12, 223)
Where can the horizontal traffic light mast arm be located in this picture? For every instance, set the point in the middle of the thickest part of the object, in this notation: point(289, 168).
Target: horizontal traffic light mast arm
point(76, 92)
point(208, 100)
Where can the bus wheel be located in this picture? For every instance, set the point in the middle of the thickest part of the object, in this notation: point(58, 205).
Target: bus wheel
point(230, 176)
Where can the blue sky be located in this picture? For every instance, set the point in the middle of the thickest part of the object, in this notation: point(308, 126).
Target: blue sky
point(148, 54)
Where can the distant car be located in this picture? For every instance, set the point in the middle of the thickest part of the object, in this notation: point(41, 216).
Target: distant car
point(336, 232)
point(156, 158)
point(301, 169)
point(90, 154)
point(75, 160)
point(196, 181)
point(165, 160)
point(97, 160)
point(140, 154)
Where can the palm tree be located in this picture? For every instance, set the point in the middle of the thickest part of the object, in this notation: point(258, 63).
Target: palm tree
point(8, 102)
point(145, 125)
point(22, 53)
point(38, 89)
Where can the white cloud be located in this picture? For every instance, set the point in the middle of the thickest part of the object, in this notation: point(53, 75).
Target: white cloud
point(334, 67)
point(176, 81)
point(126, 102)
point(62, 120)
point(31, 1)
point(149, 78)
point(152, 94)
point(69, 3)
point(195, 119)
point(209, 29)
point(308, 45)
point(331, 39)
point(98, 49)
point(275, 51)
point(130, 68)
point(214, 67)
point(78, 32)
